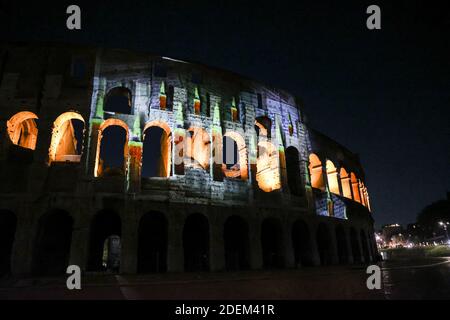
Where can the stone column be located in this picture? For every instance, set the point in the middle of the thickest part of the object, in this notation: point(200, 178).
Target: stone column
point(289, 248)
point(334, 247)
point(22, 250)
point(256, 261)
point(175, 253)
point(348, 246)
point(80, 241)
point(94, 139)
point(128, 261)
point(135, 160)
point(315, 257)
point(216, 245)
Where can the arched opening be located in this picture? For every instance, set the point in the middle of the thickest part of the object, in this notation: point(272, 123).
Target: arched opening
point(267, 167)
point(230, 158)
point(315, 172)
point(263, 124)
point(196, 243)
point(8, 223)
point(156, 161)
point(324, 244)
point(332, 177)
point(293, 170)
point(22, 129)
point(365, 247)
point(198, 146)
point(67, 138)
point(52, 244)
point(341, 239)
point(355, 188)
point(236, 244)
point(345, 182)
point(105, 246)
point(272, 243)
point(152, 243)
point(113, 149)
point(118, 100)
point(355, 246)
point(301, 241)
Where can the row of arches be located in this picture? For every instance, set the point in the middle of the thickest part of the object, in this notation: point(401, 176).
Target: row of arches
point(66, 140)
point(338, 181)
point(52, 244)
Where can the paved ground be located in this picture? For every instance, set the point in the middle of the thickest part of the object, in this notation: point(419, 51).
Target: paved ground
point(414, 279)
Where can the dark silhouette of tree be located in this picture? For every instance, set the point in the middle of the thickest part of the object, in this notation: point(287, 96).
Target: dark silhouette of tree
point(429, 217)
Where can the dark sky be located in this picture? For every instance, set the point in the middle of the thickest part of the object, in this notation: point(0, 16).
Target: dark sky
point(384, 94)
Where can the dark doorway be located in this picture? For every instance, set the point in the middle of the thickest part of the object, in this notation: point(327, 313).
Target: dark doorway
point(293, 170)
point(341, 239)
point(324, 244)
point(112, 152)
point(8, 223)
point(365, 247)
point(355, 246)
point(236, 244)
point(105, 246)
point(52, 245)
point(196, 243)
point(118, 100)
point(152, 245)
point(155, 153)
point(301, 241)
point(272, 243)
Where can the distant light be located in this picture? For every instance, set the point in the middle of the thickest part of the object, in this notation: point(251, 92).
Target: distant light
point(175, 60)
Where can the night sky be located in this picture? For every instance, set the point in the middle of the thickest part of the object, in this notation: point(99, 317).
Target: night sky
point(384, 94)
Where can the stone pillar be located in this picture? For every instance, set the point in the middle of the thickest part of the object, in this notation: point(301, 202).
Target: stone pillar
point(338, 176)
point(216, 245)
point(128, 260)
point(135, 161)
point(289, 248)
point(349, 246)
point(315, 257)
point(80, 241)
point(175, 253)
point(334, 247)
point(94, 139)
point(256, 261)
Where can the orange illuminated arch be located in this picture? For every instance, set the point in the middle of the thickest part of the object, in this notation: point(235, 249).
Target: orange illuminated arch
point(345, 182)
point(107, 123)
point(333, 182)
point(242, 151)
point(63, 142)
point(267, 167)
point(315, 171)
point(166, 145)
point(198, 147)
point(22, 129)
point(355, 188)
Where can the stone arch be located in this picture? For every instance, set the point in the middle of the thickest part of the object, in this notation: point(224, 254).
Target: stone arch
point(119, 99)
point(52, 243)
point(315, 172)
point(196, 243)
point(198, 148)
point(104, 242)
point(267, 167)
point(341, 241)
point(263, 126)
point(99, 163)
point(272, 243)
point(293, 170)
point(354, 242)
point(324, 244)
point(332, 177)
point(8, 224)
point(162, 162)
point(242, 152)
point(345, 182)
point(301, 241)
point(152, 242)
point(64, 145)
point(22, 129)
point(355, 187)
point(236, 243)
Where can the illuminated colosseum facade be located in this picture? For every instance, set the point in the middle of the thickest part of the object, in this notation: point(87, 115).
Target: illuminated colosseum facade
point(237, 179)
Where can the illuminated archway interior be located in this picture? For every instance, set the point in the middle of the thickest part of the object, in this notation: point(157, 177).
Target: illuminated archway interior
point(355, 187)
point(315, 171)
point(333, 183)
point(267, 166)
point(22, 129)
point(67, 138)
point(345, 182)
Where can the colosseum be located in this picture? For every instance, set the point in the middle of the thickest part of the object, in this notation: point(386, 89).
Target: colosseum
point(126, 162)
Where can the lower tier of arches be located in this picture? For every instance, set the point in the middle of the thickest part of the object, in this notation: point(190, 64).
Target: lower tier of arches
point(151, 237)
